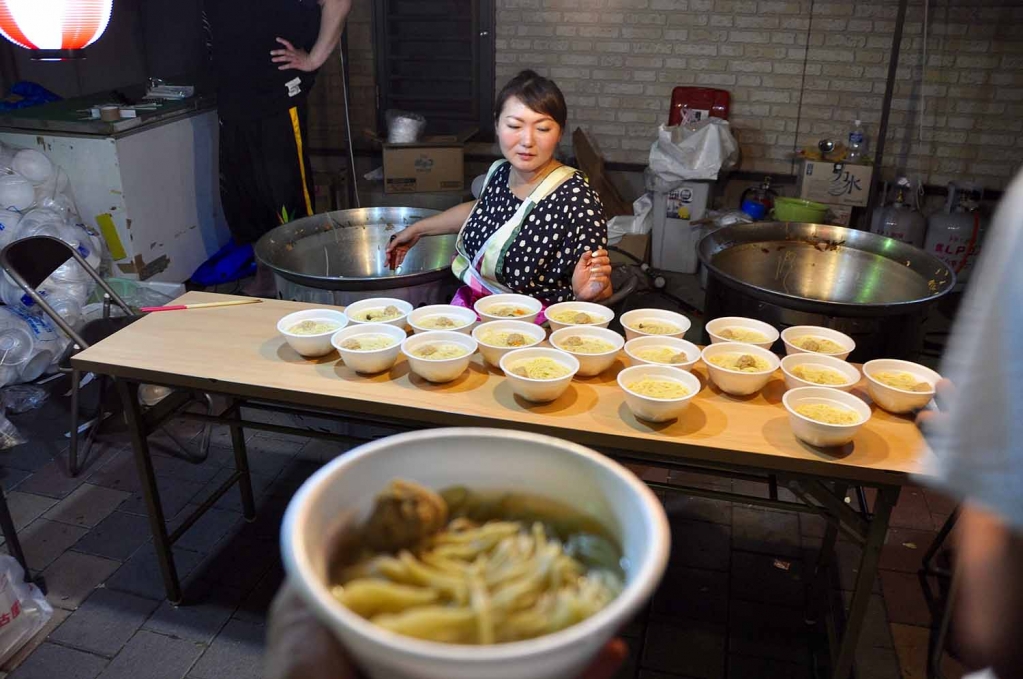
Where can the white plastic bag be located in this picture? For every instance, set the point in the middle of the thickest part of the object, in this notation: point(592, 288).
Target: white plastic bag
point(23, 608)
point(698, 151)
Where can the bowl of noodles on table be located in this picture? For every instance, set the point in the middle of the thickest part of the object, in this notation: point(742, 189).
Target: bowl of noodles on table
point(467, 553)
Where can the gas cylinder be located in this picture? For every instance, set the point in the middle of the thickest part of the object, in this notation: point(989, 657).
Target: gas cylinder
point(954, 235)
point(901, 220)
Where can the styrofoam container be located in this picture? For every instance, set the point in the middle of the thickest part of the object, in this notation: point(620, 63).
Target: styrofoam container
point(538, 391)
point(630, 318)
point(818, 433)
point(373, 361)
point(691, 351)
point(789, 362)
point(463, 318)
point(492, 354)
point(589, 364)
point(657, 409)
point(789, 335)
point(341, 495)
point(716, 326)
point(899, 400)
point(732, 381)
point(443, 370)
point(533, 305)
point(586, 307)
point(319, 344)
point(353, 310)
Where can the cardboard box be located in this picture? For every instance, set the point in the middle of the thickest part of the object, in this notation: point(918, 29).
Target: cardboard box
point(424, 166)
point(839, 215)
point(835, 183)
point(636, 244)
point(674, 238)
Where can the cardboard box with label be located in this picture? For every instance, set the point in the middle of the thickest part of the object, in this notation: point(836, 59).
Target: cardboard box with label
point(433, 164)
point(674, 238)
point(835, 183)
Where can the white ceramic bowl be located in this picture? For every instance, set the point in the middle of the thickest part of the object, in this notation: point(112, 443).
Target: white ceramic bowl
point(691, 351)
point(657, 409)
point(342, 493)
point(716, 326)
point(353, 309)
point(789, 362)
point(586, 307)
point(485, 303)
point(375, 361)
point(464, 318)
point(311, 346)
point(538, 391)
point(789, 335)
point(631, 318)
point(590, 364)
point(899, 400)
point(491, 353)
point(732, 381)
point(818, 433)
point(443, 370)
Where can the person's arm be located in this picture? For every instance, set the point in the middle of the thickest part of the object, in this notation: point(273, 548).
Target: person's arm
point(591, 278)
point(332, 22)
point(447, 222)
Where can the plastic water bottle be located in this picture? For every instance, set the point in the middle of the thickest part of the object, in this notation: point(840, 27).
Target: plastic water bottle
point(857, 143)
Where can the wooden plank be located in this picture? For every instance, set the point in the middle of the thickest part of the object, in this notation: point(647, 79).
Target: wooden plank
point(592, 164)
point(237, 350)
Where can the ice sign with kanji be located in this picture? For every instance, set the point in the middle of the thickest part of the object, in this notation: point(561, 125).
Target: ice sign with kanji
point(844, 183)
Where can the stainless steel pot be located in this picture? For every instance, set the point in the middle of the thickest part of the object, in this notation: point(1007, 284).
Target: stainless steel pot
point(339, 257)
point(875, 289)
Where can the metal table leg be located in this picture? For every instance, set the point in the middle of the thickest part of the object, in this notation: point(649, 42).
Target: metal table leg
point(241, 461)
point(129, 392)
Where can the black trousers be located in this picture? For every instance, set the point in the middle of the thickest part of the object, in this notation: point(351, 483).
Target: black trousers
point(265, 177)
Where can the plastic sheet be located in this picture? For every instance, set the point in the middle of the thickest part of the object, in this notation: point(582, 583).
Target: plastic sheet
point(23, 608)
point(687, 152)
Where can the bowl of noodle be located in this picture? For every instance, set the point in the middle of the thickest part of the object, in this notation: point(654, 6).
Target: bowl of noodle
point(508, 307)
point(800, 339)
point(568, 314)
point(818, 370)
point(439, 355)
point(654, 322)
point(529, 504)
point(658, 393)
point(497, 338)
point(539, 374)
point(595, 348)
point(739, 369)
point(740, 329)
point(678, 353)
point(825, 417)
point(900, 386)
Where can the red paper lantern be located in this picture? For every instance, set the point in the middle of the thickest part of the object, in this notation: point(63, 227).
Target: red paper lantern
point(54, 27)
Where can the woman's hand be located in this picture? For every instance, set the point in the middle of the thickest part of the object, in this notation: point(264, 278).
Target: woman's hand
point(292, 57)
point(591, 280)
point(400, 245)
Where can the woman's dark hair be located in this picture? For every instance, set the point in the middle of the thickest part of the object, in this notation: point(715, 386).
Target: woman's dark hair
point(538, 93)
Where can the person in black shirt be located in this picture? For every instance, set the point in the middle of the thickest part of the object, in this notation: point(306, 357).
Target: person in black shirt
point(265, 55)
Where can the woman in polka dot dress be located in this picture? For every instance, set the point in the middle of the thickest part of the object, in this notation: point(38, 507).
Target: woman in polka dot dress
point(538, 228)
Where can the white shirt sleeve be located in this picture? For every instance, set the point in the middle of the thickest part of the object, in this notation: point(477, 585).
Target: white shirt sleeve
point(979, 448)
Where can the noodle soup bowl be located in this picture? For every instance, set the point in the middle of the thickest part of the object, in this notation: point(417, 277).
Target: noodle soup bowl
point(822, 434)
point(602, 313)
point(590, 364)
point(493, 353)
point(438, 370)
point(341, 495)
point(532, 306)
point(796, 332)
point(631, 320)
point(635, 346)
point(312, 346)
point(735, 382)
point(539, 390)
point(464, 319)
point(719, 325)
point(792, 361)
point(354, 309)
point(893, 399)
point(372, 360)
point(657, 409)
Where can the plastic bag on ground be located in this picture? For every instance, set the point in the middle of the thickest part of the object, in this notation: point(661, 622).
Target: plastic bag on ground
point(23, 608)
point(9, 437)
point(683, 153)
point(21, 398)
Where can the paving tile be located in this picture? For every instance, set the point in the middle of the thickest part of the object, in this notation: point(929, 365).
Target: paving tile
point(875, 633)
point(266, 456)
point(105, 622)
point(53, 479)
point(207, 609)
point(255, 606)
point(87, 505)
point(116, 537)
point(10, 478)
point(73, 576)
point(768, 579)
point(140, 574)
point(324, 450)
point(912, 511)
point(847, 564)
point(153, 656)
point(690, 508)
point(236, 653)
point(120, 472)
point(269, 516)
point(239, 564)
point(698, 544)
point(205, 533)
point(761, 489)
point(292, 477)
point(166, 466)
point(767, 631)
point(44, 540)
point(50, 661)
point(692, 593)
point(16, 660)
point(877, 663)
point(34, 455)
point(27, 507)
point(905, 599)
point(174, 495)
point(938, 502)
point(232, 499)
point(758, 530)
point(695, 649)
point(745, 667)
point(904, 549)
point(912, 645)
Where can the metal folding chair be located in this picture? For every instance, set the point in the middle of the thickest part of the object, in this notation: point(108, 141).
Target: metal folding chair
point(29, 262)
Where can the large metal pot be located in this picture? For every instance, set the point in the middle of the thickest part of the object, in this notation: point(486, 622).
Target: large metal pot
point(339, 258)
point(873, 288)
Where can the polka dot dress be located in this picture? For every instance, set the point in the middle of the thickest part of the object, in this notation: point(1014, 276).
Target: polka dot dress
point(552, 239)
